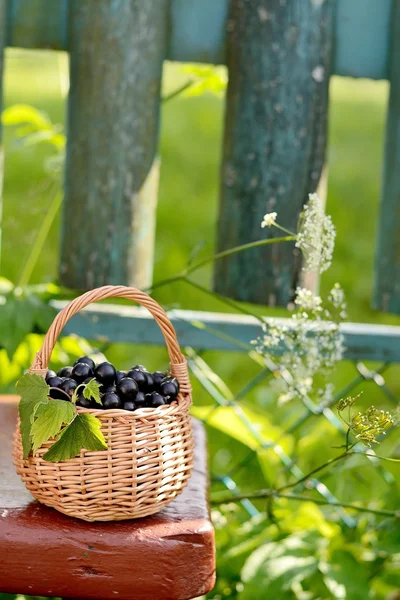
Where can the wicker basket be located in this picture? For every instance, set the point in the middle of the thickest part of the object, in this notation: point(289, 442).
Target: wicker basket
point(150, 451)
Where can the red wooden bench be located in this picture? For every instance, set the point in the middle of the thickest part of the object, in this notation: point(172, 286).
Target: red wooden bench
point(45, 553)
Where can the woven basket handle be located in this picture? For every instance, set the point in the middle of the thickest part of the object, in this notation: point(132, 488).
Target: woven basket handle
point(178, 363)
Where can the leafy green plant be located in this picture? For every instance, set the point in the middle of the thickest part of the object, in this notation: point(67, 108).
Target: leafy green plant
point(43, 418)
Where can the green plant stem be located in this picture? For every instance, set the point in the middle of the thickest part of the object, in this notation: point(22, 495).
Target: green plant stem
point(222, 299)
point(60, 390)
point(178, 91)
point(347, 439)
point(276, 494)
point(284, 229)
point(40, 239)
point(236, 249)
point(331, 461)
point(217, 256)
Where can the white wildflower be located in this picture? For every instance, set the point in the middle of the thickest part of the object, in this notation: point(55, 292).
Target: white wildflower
point(316, 236)
point(219, 520)
point(303, 350)
point(269, 219)
point(337, 299)
point(306, 300)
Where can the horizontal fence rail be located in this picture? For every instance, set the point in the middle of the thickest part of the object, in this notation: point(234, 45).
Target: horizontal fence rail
point(198, 31)
point(218, 331)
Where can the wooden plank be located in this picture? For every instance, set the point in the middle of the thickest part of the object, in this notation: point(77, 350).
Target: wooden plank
point(387, 265)
point(198, 32)
point(279, 60)
point(117, 51)
point(217, 331)
point(168, 556)
point(38, 24)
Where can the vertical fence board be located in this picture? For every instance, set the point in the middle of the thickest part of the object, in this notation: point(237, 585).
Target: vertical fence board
point(2, 46)
point(117, 49)
point(387, 274)
point(279, 59)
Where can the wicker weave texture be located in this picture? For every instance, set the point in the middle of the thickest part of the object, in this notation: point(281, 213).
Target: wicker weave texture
point(150, 451)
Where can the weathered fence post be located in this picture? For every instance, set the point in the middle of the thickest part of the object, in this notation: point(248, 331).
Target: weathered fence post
point(117, 49)
point(387, 273)
point(279, 59)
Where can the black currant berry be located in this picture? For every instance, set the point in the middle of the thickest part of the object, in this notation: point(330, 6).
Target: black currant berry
point(57, 394)
point(150, 382)
point(84, 402)
point(111, 400)
point(158, 376)
point(86, 360)
point(49, 374)
point(154, 400)
point(169, 388)
point(127, 389)
point(81, 371)
point(129, 405)
point(120, 375)
point(139, 377)
point(69, 385)
point(65, 372)
point(105, 373)
point(55, 381)
point(139, 367)
point(107, 389)
point(140, 400)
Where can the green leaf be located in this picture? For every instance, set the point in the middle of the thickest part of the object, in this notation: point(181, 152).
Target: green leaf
point(92, 391)
point(5, 285)
point(49, 419)
point(275, 567)
point(16, 321)
point(19, 114)
point(345, 577)
point(43, 312)
point(83, 433)
point(206, 78)
point(33, 391)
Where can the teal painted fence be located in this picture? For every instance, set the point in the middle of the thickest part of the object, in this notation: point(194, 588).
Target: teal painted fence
point(217, 331)
point(280, 57)
point(279, 62)
point(387, 267)
point(198, 31)
point(117, 51)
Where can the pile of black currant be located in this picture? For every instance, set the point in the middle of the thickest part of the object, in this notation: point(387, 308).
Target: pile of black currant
point(129, 390)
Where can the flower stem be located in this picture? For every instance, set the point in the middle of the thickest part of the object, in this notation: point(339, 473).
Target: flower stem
point(177, 92)
point(284, 229)
point(217, 256)
point(316, 470)
point(237, 249)
point(276, 494)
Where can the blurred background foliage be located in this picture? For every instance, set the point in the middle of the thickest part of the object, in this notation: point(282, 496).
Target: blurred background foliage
point(294, 549)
